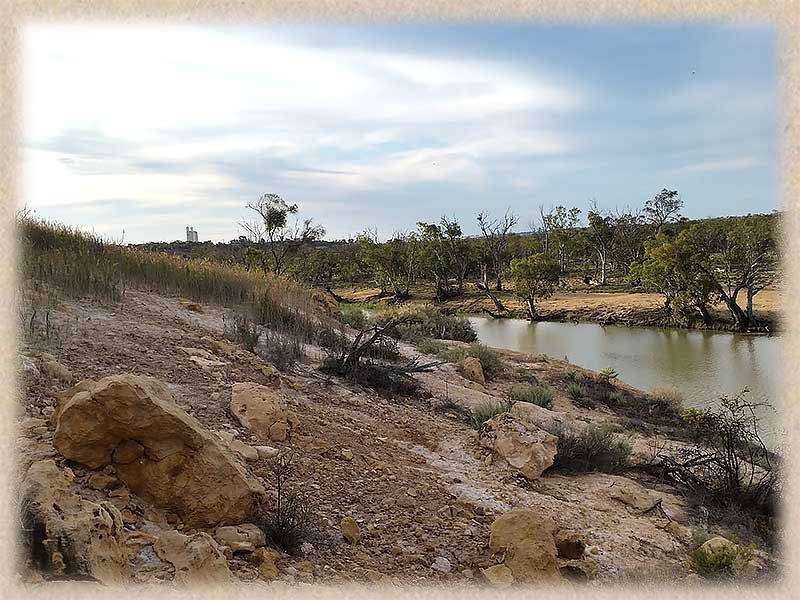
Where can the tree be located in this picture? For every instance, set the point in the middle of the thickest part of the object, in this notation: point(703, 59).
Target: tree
point(534, 277)
point(630, 233)
point(495, 236)
point(600, 235)
point(273, 230)
point(558, 226)
point(662, 208)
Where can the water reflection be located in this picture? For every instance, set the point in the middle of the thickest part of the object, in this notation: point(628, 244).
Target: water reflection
point(702, 364)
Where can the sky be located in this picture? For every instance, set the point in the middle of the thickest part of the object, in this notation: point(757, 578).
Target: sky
point(136, 132)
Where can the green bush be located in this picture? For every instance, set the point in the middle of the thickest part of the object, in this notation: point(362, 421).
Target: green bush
point(490, 360)
point(452, 355)
point(592, 448)
point(574, 376)
point(608, 374)
point(725, 561)
point(353, 316)
point(540, 395)
point(484, 412)
point(665, 403)
point(430, 346)
point(429, 322)
point(576, 390)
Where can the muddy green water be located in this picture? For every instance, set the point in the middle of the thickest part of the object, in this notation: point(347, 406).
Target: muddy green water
point(701, 364)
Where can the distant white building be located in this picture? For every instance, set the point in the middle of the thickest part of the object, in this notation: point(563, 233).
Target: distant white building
point(191, 234)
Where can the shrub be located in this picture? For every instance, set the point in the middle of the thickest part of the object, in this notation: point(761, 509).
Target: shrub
point(384, 349)
point(354, 316)
point(484, 412)
point(452, 355)
point(574, 376)
point(607, 374)
point(615, 397)
point(430, 346)
point(576, 390)
point(540, 395)
point(281, 350)
point(429, 322)
point(289, 523)
point(239, 328)
point(665, 402)
point(490, 360)
point(725, 561)
point(592, 448)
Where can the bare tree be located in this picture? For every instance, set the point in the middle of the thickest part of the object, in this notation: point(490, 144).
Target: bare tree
point(495, 236)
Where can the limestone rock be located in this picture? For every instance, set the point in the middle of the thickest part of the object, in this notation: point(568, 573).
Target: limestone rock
point(266, 452)
point(56, 370)
point(498, 575)
point(350, 530)
point(442, 565)
point(526, 539)
point(244, 450)
point(101, 481)
point(311, 444)
point(197, 558)
point(261, 410)
point(472, 369)
point(532, 415)
point(265, 559)
point(526, 448)
point(632, 494)
point(161, 453)
point(28, 367)
point(79, 536)
point(570, 544)
point(240, 537)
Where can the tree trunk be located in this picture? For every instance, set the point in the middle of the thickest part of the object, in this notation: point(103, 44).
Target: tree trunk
point(750, 295)
point(739, 316)
point(704, 313)
point(532, 308)
point(602, 269)
point(499, 284)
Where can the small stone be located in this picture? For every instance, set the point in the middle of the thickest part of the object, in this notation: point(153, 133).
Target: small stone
point(279, 431)
point(246, 451)
point(442, 565)
point(468, 573)
point(266, 452)
point(265, 559)
point(101, 481)
point(350, 530)
point(411, 492)
point(498, 575)
point(347, 454)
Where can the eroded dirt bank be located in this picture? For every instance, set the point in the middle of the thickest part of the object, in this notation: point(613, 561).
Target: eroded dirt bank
point(420, 485)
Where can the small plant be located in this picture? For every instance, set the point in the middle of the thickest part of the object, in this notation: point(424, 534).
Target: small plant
point(592, 448)
point(540, 395)
point(244, 331)
point(490, 360)
point(354, 316)
point(576, 390)
point(574, 376)
point(727, 560)
point(666, 402)
point(289, 523)
point(541, 358)
point(484, 412)
point(607, 375)
point(430, 346)
point(282, 350)
point(615, 397)
point(452, 355)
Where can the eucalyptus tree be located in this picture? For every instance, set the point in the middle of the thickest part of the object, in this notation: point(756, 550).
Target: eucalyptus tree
point(495, 240)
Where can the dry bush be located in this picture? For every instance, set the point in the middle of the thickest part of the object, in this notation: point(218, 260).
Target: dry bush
point(591, 448)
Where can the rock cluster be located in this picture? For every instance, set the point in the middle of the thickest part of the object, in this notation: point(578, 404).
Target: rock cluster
point(159, 451)
point(261, 409)
point(527, 449)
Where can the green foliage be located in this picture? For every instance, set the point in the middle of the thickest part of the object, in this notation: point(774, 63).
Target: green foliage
point(540, 395)
point(484, 412)
point(592, 448)
point(490, 360)
point(534, 277)
point(607, 374)
point(576, 390)
point(725, 561)
point(354, 316)
point(429, 322)
point(242, 330)
point(429, 346)
point(574, 376)
point(289, 522)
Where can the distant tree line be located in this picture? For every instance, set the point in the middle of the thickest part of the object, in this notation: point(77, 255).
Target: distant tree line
point(692, 264)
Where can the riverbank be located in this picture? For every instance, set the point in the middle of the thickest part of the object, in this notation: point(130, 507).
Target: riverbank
point(609, 305)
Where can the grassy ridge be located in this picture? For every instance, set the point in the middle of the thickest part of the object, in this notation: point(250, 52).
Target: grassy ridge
point(80, 265)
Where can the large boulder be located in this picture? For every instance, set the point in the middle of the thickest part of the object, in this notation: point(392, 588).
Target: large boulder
point(472, 369)
point(68, 535)
point(530, 414)
point(262, 411)
point(527, 449)
point(525, 538)
point(160, 452)
point(197, 558)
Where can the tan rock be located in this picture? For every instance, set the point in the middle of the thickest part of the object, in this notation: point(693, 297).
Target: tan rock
point(632, 494)
point(265, 559)
point(56, 370)
point(101, 481)
point(80, 537)
point(498, 575)
point(347, 454)
point(206, 364)
point(261, 409)
point(244, 450)
point(350, 530)
point(472, 369)
point(526, 539)
point(240, 537)
point(527, 449)
point(378, 578)
point(197, 558)
point(311, 444)
point(161, 453)
point(570, 544)
point(266, 452)
point(532, 415)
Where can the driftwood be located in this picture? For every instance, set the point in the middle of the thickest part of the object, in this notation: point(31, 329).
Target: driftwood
point(495, 300)
point(338, 298)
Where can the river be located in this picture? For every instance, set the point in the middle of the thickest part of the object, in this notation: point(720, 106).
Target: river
point(702, 365)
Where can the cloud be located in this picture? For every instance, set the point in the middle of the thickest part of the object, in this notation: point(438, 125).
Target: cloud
point(730, 164)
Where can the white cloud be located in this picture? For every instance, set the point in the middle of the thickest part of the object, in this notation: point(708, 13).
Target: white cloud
point(728, 164)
